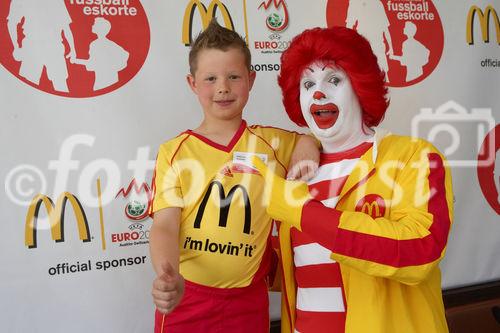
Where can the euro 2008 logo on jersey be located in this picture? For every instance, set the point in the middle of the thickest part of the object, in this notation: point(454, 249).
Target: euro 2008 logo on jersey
point(406, 36)
point(74, 48)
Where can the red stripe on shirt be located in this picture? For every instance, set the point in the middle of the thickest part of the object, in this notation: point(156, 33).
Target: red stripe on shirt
point(319, 276)
point(320, 322)
point(153, 190)
point(352, 153)
point(177, 149)
point(275, 128)
point(300, 238)
point(236, 137)
point(327, 189)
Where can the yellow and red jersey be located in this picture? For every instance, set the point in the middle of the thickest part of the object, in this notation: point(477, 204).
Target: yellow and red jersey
point(224, 226)
point(388, 232)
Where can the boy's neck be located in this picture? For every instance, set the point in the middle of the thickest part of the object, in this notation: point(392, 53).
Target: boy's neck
point(219, 131)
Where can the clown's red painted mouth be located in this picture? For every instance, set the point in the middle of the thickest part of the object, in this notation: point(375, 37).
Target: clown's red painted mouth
point(325, 115)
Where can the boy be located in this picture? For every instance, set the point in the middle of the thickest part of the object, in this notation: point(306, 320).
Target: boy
point(361, 254)
point(210, 226)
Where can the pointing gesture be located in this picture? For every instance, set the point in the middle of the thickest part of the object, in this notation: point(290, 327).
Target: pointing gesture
point(168, 289)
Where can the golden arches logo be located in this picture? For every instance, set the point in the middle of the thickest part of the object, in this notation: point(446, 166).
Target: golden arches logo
point(372, 204)
point(370, 208)
point(206, 15)
point(56, 218)
point(225, 203)
point(484, 20)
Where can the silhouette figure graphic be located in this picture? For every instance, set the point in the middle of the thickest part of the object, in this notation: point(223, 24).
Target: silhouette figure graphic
point(369, 19)
point(45, 26)
point(414, 54)
point(106, 58)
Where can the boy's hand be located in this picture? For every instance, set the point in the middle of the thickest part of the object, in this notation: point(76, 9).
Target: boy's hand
point(285, 197)
point(168, 289)
point(305, 159)
point(302, 169)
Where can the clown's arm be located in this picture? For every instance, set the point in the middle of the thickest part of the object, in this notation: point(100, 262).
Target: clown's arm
point(405, 245)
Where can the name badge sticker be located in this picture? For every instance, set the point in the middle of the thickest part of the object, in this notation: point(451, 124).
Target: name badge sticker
point(242, 162)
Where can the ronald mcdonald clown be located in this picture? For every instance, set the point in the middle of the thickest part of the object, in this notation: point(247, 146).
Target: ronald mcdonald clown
point(361, 242)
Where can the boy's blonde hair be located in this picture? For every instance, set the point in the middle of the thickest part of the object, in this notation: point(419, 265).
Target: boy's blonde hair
point(220, 38)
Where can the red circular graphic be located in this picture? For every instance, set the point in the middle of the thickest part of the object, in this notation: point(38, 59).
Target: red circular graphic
point(412, 30)
point(74, 48)
point(488, 172)
point(371, 204)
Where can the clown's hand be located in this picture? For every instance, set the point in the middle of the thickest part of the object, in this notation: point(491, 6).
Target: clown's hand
point(284, 198)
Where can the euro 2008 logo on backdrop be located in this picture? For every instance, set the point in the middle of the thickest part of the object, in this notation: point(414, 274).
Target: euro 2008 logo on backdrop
point(136, 199)
point(406, 36)
point(74, 48)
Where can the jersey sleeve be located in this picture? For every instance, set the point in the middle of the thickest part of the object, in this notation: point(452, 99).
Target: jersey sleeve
point(282, 141)
point(166, 183)
point(407, 244)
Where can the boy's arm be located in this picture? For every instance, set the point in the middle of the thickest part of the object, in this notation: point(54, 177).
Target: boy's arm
point(168, 287)
point(305, 158)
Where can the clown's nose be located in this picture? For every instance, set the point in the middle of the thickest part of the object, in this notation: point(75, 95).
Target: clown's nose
point(318, 95)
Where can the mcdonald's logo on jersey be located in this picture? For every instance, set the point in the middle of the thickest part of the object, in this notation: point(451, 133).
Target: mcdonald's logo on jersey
point(371, 204)
point(484, 21)
point(225, 203)
point(206, 16)
point(56, 217)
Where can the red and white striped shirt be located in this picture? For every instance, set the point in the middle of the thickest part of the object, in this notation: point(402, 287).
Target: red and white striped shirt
point(320, 297)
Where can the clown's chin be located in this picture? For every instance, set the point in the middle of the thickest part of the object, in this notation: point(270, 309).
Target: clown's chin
point(325, 120)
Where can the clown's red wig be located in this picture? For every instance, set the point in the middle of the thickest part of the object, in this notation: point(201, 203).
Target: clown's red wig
point(346, 49)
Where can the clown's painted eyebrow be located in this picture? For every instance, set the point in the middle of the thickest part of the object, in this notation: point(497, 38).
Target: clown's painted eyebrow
point(322, 69)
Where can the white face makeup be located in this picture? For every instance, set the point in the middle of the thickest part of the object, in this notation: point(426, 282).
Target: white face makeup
point(330, 107)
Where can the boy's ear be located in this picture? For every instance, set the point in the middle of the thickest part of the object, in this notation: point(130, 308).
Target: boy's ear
point(192, 83)
point(252, 76)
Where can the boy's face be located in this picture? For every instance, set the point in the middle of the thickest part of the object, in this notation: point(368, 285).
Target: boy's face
point(222, 83)
point(329, 104)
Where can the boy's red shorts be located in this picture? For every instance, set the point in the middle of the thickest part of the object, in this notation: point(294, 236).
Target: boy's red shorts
point(214, 310)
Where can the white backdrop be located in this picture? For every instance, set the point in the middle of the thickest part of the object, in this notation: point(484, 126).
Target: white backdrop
point(63, 135)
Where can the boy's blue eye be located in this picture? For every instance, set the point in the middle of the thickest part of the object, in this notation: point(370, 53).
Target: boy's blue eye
point(234, 77)
point(210, 79)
